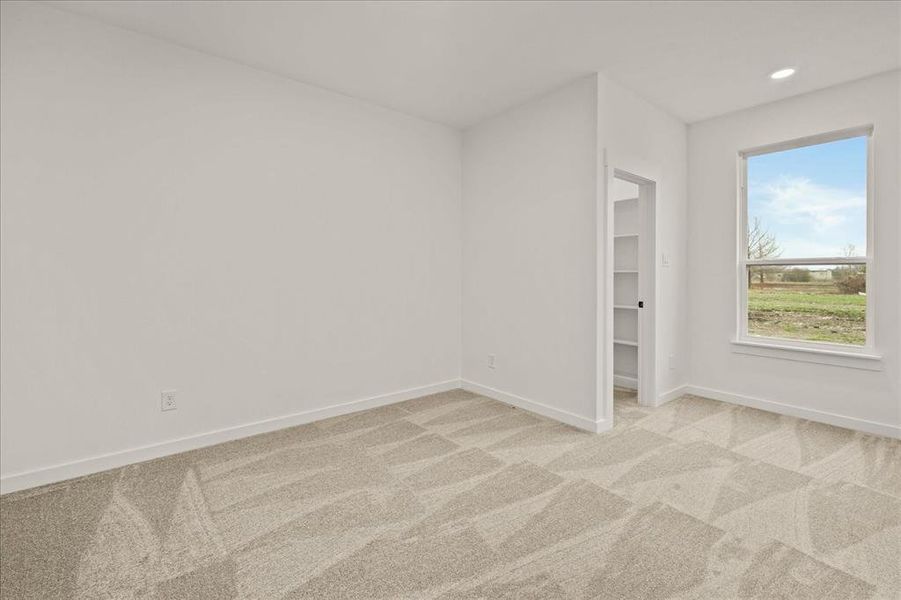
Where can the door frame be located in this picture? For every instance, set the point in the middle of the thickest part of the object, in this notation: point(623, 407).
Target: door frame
point(647, 289)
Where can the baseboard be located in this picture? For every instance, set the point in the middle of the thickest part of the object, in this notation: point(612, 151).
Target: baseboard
point(674, 393)
point(625, 381)
point(95, 464)
point(791, 410)
point(61, 472)
point(537, 407)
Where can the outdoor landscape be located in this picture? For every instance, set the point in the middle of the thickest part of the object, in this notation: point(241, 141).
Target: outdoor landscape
point(817, 303)
point(813, 311)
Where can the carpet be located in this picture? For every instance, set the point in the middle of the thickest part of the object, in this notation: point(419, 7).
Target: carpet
point(456, 496)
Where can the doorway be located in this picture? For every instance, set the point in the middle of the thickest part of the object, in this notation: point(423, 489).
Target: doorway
point(631, 292)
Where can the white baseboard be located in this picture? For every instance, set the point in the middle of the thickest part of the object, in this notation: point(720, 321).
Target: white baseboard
point(78, 468)
point(537, 407)
point(791, 410)
point(625, 381)
point(672, 394)
point(95, 464)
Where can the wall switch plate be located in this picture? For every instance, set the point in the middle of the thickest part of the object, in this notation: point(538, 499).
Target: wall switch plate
point(672, 362)
point(167, 400)
point(490, 361)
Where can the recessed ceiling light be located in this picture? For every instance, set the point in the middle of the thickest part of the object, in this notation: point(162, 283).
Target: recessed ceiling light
point(782, 73)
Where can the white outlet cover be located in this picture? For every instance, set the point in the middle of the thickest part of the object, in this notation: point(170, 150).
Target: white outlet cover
point(168, 400)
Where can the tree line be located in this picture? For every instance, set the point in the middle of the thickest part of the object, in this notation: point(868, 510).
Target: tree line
point(849, 279)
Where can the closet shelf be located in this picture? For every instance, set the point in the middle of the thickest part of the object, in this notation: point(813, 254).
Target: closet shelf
point(626, 271)
point(625, 307)
point(626, 343)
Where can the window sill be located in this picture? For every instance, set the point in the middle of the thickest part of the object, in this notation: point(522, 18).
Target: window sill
point(853, 359)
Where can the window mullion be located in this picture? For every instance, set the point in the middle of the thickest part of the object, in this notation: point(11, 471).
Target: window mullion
point(833, 260)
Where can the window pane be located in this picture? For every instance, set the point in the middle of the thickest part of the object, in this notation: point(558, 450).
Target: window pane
point(811, 303)
point(809, 202)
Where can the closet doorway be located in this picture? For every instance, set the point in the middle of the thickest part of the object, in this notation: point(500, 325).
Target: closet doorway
point(631, 302)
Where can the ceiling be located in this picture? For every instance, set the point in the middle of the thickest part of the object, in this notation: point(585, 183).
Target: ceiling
point(459, 62)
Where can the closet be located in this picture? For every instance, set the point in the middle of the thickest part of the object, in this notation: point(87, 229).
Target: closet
point(626, 283)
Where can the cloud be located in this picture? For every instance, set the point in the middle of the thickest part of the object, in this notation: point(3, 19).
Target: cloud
point(800, 248)
point(800, 201)
point(809, 219)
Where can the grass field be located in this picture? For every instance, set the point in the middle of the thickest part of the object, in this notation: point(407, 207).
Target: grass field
point(812, 312)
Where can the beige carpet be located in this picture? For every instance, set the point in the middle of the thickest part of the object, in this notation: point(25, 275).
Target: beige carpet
point(458, 496)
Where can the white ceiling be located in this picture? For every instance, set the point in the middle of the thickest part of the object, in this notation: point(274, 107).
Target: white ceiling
point(459, 62)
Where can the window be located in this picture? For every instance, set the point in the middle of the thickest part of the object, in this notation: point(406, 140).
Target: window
point(805, 255)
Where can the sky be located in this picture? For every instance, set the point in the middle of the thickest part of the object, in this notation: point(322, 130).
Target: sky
point(812, 199)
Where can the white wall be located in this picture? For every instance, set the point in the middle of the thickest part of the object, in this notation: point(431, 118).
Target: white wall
point(529, 188)
point(172, 220)
point(817, 390)
point(530, 242)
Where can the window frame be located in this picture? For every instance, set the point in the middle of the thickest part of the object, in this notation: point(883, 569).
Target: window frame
point(808, 351)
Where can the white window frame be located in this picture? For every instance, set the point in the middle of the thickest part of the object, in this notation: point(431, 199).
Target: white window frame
point(848, 355)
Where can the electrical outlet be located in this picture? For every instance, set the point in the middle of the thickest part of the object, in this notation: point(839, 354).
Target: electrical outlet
point(672, 362)
point(664, 260)
point(167, 400)
point(490, 361)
